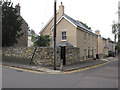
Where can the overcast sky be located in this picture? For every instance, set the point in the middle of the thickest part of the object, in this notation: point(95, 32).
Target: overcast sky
point(97, 14)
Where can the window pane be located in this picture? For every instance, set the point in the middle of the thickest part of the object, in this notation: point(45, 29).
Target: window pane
point(64, 35)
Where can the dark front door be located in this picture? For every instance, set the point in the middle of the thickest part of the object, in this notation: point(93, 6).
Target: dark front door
point(63, 55)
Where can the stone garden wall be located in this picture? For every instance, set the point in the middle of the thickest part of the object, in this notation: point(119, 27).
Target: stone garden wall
point(43, 55)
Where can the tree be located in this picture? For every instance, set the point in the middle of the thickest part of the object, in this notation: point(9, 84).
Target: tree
point(43, 41)
point(84, 24)
point(32, 32)
point(11, 25)
point(34, 36)
point(115, 31)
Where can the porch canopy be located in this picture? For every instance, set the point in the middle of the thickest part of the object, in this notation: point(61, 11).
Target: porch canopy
point(64, 45)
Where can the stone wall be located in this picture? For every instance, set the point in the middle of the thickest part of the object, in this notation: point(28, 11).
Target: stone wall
point(43, 56)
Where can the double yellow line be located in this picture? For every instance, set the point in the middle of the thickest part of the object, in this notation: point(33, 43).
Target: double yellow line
point(65, 72)
point(89, 67)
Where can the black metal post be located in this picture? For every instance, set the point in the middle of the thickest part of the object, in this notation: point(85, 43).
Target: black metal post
point(119, 27)
point(55, 44)
point(31, 62)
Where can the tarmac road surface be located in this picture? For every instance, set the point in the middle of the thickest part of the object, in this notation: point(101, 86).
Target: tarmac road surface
point(105, 76)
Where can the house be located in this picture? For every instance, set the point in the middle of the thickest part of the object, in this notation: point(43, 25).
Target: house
point(111, 46)
point(102, 45)
point(72, 32)
point(23, 40)
point(30, 43)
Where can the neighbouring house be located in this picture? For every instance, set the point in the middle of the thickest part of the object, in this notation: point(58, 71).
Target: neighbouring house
point(23, 40)
point(72, 32)
point(102, 45)
point(111, 46)
point(30, 43)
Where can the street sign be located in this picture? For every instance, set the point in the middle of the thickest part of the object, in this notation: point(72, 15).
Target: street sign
point(29, 50)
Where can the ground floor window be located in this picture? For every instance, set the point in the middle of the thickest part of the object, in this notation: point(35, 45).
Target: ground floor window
point(88, 52)
point(92, 52)
point(85, 52)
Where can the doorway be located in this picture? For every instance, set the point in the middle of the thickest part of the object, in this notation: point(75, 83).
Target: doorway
point(63, 55)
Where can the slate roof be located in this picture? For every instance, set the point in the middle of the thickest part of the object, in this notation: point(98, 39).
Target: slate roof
point(75, 22)
point(78, 24)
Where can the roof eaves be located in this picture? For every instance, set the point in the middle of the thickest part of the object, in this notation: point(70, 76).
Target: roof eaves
point(61, 19)
point(47, 23)
point(86, 30)
point(71, 22)
point(56, 23)
point(79, 25)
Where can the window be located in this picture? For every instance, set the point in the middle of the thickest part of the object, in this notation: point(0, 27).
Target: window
point(84, 36)
point(84, 54)
point(88, 52)
point(93, 38)
point(92, 52)
point(64, 37)
point(95, 51)
point(89, 37)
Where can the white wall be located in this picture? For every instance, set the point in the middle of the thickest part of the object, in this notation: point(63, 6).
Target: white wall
point(30, 43)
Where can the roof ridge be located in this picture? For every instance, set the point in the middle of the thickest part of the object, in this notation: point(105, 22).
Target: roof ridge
point(76, 22)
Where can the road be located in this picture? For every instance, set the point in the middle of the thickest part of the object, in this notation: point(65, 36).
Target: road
point(105, 76)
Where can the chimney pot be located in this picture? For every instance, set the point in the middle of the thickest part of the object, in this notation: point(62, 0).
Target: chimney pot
point(18, 4)
point(18, 8)
point(61, 3)
point(61, 10)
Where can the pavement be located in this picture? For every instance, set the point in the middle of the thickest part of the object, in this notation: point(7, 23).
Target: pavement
point(67, 68)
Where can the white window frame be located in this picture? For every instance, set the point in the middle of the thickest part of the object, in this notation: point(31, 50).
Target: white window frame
point(64, 36)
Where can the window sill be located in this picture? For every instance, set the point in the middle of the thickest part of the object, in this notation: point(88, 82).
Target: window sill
point(63, 40)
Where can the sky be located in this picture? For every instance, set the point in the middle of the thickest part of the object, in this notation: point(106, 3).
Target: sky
point(97, 14)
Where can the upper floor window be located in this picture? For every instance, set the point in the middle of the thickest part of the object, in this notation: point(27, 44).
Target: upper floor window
point(85, 34)
point(89, 37)
point(93, 38)
point(64, 36)
point(88, 52)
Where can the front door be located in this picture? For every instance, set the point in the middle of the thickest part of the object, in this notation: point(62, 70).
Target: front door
point(63, 55)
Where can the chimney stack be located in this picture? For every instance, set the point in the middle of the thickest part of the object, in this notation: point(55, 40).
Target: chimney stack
point(61, 10)
point(97, 32)
point(18, 8)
